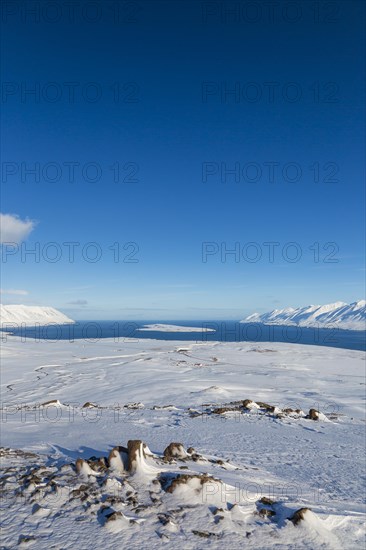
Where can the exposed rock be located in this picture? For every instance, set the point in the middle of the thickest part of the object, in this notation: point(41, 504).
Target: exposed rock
point(135, 454)
point(196, 457)
point(266, 501)
point(299, 515)
point(246, 403)
point(83, 468)
point(222, 410)
point(97, 464)
point(89, 405)
point(182, 479)
point(113, 516)
point(96, 492)
point(262, 405)
point(79, 465)
point(266, 512)
point(33, 479)
point(175, 450)
point(52, 402)
point(313, 414)
point(134, 406)
point(81, 492)
point(205, 534)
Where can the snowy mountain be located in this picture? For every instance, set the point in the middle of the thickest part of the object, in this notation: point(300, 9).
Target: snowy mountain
point(342, 315)
point(31, 315)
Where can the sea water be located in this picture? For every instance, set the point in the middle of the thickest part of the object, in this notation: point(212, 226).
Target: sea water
point(223, 331)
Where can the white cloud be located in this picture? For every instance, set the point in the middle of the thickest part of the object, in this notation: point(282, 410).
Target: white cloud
point(78, 303)
point(13, 229)
point(14, 292)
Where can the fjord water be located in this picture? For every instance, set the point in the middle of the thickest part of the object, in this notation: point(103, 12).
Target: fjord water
point(223, 331)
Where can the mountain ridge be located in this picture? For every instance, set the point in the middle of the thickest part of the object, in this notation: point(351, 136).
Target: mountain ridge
point(338, 314)
point(31, 315)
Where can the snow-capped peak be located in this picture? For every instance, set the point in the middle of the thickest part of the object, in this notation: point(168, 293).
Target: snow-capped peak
point(31, 315)
point(339, 314)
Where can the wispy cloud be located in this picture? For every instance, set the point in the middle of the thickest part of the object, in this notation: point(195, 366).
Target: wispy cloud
point(78, 303)
point(13, 292)
point(13, 229)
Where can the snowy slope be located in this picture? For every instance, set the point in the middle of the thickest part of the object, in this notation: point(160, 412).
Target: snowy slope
point(31, 315)
point(77, 475)
point(339, 314)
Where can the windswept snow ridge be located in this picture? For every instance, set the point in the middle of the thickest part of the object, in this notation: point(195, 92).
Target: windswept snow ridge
point(31, 315)
point(339, 314)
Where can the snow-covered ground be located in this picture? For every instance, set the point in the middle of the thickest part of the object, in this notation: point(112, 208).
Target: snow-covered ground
point(174, 328)
point(339, 314)
point(76, 472)
point(30, 315)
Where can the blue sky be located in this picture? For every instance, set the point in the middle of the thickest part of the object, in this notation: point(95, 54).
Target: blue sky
point(175, 136)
